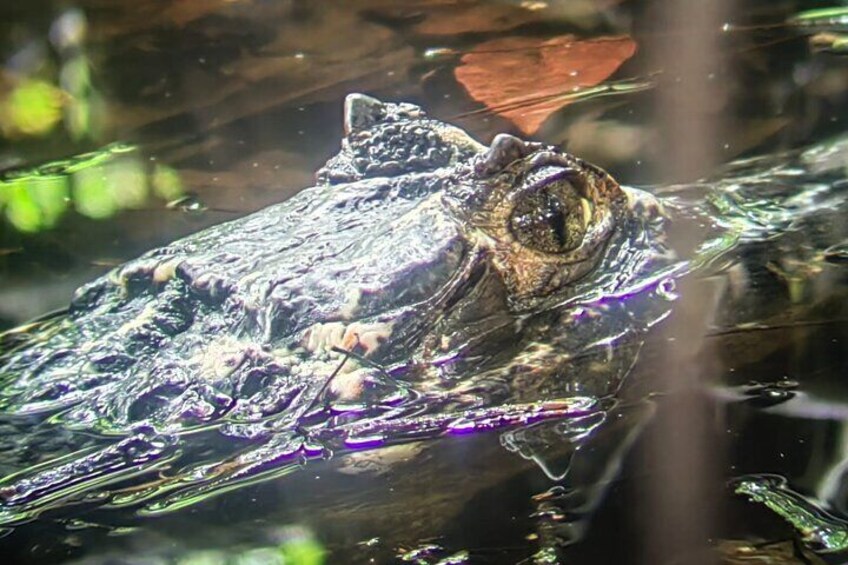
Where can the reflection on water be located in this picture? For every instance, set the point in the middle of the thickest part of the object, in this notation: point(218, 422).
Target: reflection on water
point(124, 128)
point(96, 185)
point(817, 528)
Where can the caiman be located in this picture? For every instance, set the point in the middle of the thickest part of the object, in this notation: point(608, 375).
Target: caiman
point(426, 285)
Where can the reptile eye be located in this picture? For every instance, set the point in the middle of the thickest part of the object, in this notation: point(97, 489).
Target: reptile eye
point(551, 218)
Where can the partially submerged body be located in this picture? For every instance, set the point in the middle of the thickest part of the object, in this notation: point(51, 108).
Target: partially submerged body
point(427, 284)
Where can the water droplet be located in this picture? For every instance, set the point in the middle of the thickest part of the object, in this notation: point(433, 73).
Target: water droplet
point(370, 542)
point(667, 289)
point(420, 553)
point(770, 394)
point(189, 204)
point(458, 558)
point(534, 5)
point(437, 52)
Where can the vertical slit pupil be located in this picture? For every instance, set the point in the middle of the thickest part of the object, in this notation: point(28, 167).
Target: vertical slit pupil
point(555, 216)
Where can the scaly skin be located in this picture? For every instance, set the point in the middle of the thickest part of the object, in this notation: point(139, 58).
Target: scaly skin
point(427, 284)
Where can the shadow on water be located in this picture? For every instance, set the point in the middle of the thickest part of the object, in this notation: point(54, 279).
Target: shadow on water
point(123, 128)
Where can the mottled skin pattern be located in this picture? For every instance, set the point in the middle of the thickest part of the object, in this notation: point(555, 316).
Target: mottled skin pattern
point(445, 267)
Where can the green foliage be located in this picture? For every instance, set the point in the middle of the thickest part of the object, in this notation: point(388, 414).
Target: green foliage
point(37, 203)
point(303, 551)
point(97, 185)
point(837, 15)
point(33, 107)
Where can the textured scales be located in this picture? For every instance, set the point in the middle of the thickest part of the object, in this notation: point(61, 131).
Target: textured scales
point(426, 284)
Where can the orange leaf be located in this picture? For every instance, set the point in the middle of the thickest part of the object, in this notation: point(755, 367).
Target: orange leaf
point(525, 80)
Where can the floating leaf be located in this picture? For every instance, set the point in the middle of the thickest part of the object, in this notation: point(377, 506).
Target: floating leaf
point(525, 80)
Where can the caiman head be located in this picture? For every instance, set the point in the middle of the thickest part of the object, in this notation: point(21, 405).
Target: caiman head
point(421, 257)
point(510, 259)
point(426, 283)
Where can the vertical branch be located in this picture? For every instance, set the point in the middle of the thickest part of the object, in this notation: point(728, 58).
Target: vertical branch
point(681, 458)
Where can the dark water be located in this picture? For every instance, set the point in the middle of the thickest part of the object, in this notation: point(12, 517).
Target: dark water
point(222, 107)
